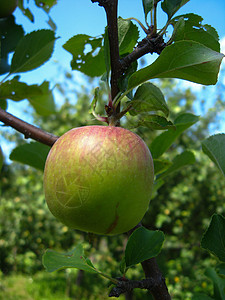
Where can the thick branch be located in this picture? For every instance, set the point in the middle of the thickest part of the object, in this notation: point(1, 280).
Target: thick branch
point(27, 129)
point(151, 269)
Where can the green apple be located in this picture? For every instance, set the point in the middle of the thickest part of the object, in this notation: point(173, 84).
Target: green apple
point(99, 179)
point(7, 7)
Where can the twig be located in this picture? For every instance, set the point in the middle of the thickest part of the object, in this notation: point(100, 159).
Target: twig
point(27, 129)
point(147, 45)
point(127, 286)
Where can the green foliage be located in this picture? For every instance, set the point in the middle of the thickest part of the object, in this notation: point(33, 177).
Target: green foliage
point(147, 5)
point(33, 154)
point(197, 63)
point(10, 33)
point(148, 98)
point(86, 62)
point(163, 141)
point(143, 244)
point(214, 238)
point(32, 51)
point(75, 258)
point(39, 96)
point(189, 27)
point(214, 148)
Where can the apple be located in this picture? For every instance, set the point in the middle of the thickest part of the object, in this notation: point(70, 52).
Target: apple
point(99, 179)
point(7, 7)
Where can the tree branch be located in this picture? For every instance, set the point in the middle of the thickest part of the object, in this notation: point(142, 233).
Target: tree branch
point(110, 7)
point(147, 45)
point(27, 129)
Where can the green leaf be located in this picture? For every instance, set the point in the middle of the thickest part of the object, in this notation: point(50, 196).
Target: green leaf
point(87, 54)
point(123, 267)
point(26, 11)
point(40, 97)
point(161, 165)
point(143, 244)
point(156, 186)
point(162, 142)
point(148, 98)
point(54, 261)
point(10, 34)
point(33, 154)
point(181, 160)
point(147, 5)
point(43, 104)
point(187, 60)
point(3, 104)
point(200, 296)
point(46, 5)
point(193, 29)
point(213, 239)
point(170, 7)
point(220, 269)
point(214, 147)
point(33, 50)
point(128, 35)
point(218, 282)
point(17, 91)
point(155, 122)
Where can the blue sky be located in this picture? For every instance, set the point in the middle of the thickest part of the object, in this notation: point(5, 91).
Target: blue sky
point(73, 17)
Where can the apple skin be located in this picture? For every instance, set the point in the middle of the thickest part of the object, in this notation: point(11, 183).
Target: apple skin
point(7, 7)
point(99, 179)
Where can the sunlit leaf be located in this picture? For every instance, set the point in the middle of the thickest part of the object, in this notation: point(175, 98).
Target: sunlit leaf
point(148, 97)
point(128, 35)
point(184, 159)
point(33, 50)
point(43, 104)
point(187, 60)
point(193, 29)
point(33, 154)
point(54, 261)
point(170, 7)
point(87, 54)
point(155, 122)
point(40, 97)
point(161, 165)
point(162, 142)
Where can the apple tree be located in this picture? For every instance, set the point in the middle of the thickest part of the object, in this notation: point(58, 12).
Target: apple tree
point(99, 179)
